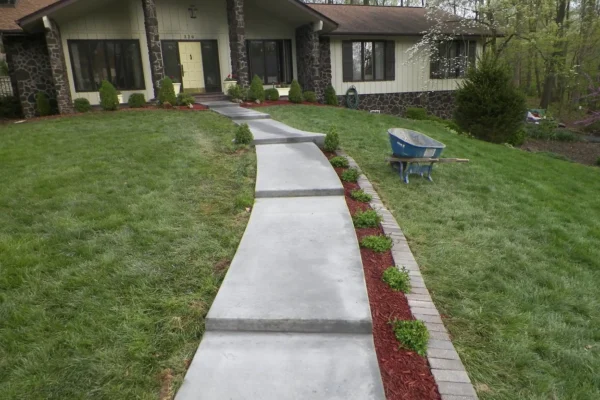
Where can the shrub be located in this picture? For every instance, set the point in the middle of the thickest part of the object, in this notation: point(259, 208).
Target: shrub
point(416, 113)
point(42, 104)
point(3, 68)
point(10, 107)
point(593, 128)
point(235, 92)
point(565, 135)
point(360, 195)
point(108, 96)
point(82, 105)
point(330, 96)
point(598, 161)
point(518, 138)
point(339, 162)
point(379, 244)
point(366, 219)
point(412, 335)
point(257, 90)
point(166, 93)
point(295, 95)
point(243, 135)
point(185, 99)
point(350, 175)
point(310, 96)
point(488, 106)
point(332, 140)
point(137, 100)
point(272, 94)
point(397, 279)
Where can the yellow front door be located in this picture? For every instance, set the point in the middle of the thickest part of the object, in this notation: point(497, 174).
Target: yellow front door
point(190, 56)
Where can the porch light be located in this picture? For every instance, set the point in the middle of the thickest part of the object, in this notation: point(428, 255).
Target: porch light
point(192, 11)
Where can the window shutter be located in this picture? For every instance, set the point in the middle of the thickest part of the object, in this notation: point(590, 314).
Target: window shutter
point(390, 60)
point(347, 61)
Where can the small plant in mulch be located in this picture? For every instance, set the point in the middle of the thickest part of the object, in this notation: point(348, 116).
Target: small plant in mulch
point(412, 335)
point(295, 94)
point(350, 175)
point(136, 100)
point(257, 90)
point(330, 97)
point(379, 243)
point(339, 162)
point(271, 94)
point(332, 140)
point(366, 219)
point(397, 279)
point(360, 195)
point(166, 93)
point(82, 105)
point(310, 96)
point(109, 100)
point(243, 135)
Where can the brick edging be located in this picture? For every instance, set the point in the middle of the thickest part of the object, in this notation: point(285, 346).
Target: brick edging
point(448, 371)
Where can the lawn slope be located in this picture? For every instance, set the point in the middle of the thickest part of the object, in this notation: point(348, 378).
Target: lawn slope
point(510, 249)
point(115, 232)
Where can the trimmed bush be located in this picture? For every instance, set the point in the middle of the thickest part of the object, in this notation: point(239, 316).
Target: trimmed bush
point(488, 105)
point(166, 93)
point(416, 113)
point(379, 243)
point(330, 96)
point(42, 104)
point(350, 175)
point(108, 96)
point(518, 138)
point(295, 95)
point(136, 100)
point(185, 99)
point(310, 96)
point(360, 195)
point(10, 107)
point(82, 105)
point(366, 219)
point(397, 279)
point(271, 94)
point(332, 140)
point(339, 162)
point(413, 335)
point(257, 90)
point(235, 92)
point(243, 135)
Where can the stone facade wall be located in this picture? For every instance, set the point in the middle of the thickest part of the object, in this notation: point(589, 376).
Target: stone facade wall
point(237, 41)
point(30, 70)
point(439, 103)
point(324, 66)
point(308, 59)
point(154, 47)
point(59, 70)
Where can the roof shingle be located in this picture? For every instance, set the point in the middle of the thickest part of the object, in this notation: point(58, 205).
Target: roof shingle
point(9, 14)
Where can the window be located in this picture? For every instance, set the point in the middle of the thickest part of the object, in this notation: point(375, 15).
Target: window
point(368, 61)
point(117, 61)
point(271, 60)
point(7, 2)
point(452, 59)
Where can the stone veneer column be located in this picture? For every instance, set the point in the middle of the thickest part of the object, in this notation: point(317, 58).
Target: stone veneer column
point(154, 48)
point(308, 58)
point(324, 67)
point(237, 41)
point(59, 70)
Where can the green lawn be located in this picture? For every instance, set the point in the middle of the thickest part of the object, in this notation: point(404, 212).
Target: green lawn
point(510, 249)
point(115, 232)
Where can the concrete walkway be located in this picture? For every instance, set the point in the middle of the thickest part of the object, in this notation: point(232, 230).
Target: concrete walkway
point(292, 318)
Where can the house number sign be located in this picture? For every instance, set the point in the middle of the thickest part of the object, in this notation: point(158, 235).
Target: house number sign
point(188, 36)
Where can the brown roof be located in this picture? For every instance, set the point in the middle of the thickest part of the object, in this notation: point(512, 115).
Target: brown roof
point(390, 20)
point(9, 14)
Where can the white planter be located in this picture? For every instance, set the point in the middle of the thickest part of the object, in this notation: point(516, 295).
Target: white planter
point(120, 98)
point(227, 85)
point(283, 91)
point(177, 87)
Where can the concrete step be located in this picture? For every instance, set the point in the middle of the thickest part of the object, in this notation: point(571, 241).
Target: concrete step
point(297, 269)
point(200, 98)
point(272, 132)
point(295, 169)
point(239, 113)
point(275, 366)
point(219, 104)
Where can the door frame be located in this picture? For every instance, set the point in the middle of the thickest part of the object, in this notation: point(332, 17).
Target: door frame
point(179, 59)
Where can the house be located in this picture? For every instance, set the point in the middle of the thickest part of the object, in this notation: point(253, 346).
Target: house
point(67, 47)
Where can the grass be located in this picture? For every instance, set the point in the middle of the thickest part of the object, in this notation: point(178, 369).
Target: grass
point(115, 232)
point(509, 245)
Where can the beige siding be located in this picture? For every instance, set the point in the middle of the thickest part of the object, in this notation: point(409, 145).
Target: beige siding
point(124, 22)
point(412, 75)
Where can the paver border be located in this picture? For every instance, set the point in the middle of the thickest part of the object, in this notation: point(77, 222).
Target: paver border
point(446, 367)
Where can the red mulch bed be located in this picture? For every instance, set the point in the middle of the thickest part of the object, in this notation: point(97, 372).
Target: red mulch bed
point(268, 103)
point(405, 374)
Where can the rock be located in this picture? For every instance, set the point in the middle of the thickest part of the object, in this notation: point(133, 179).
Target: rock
point(257, 101)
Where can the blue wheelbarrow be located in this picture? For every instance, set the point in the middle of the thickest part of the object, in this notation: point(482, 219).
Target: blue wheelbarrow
point(415, 153)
